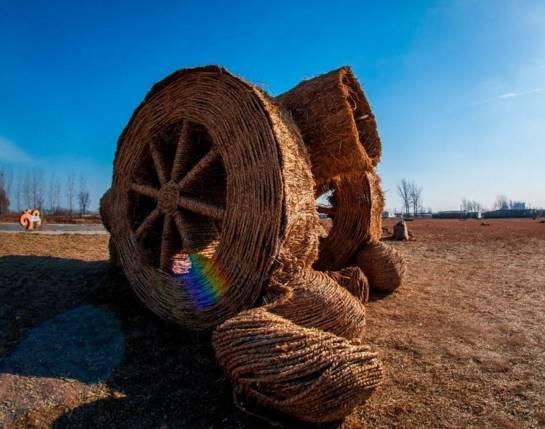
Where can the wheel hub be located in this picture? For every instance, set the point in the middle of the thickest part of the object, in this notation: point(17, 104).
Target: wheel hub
point(168, 198)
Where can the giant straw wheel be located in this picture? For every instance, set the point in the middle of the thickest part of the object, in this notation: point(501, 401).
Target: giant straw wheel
point(201, 206)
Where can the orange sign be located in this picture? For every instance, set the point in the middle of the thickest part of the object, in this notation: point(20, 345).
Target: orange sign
point(30, 219)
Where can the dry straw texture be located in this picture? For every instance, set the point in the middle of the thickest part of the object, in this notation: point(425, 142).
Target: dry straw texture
point(317, 301)
point(310, 374)
point(211, 195)
point(337, 123)
point(357, 205)
point(383, 265)
point(353, 280)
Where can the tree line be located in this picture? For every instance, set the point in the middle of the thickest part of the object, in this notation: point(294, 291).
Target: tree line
point(31, 189)
point(411, 197)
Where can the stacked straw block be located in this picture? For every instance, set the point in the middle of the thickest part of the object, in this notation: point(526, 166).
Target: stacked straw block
point(213, 220)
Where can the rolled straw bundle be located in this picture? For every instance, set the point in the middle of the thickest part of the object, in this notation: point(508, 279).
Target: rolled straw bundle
point(211, 195)
point(358, 203)
point(309, 374)
point(337, 123)
point(383, 265)
point(318, 301)
point(353, 280)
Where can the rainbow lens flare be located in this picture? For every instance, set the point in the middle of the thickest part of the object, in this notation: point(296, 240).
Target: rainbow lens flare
point(202, 277)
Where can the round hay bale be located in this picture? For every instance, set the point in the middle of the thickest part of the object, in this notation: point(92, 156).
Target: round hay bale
point(211, 195)
point(401, 232)
point(317, 301)
point(353, 280)
point(337, 123)
point(309, 374)
point(357, 201)
point(383, 265)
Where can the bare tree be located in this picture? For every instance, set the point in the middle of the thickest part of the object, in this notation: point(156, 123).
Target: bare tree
point(4, 199)
point(470, 206)
point(415, 197)
point(27, 192)
point(404, 191)
point(7, 182)
point(70, 191)
point(84, 198)
point(501, 203)
point(18, 191)
point(37, 190)
point(54, 193)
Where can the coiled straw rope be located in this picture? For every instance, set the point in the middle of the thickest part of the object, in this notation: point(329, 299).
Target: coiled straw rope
point(353, 280)
point(318, 301)
point(307, 373)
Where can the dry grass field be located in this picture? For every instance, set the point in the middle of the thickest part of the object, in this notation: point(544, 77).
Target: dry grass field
point(463, 341)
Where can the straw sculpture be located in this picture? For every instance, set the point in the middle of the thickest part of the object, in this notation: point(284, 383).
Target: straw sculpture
point(211, 195)
point(212, 212)
point(309, 374)
point(318, 301)
point(383, 265)
point(336, 122)
point(353, 280)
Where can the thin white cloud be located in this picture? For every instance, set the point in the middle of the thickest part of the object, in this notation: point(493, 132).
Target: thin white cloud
point(11, 153)
point(508, 95)
point(518, 94)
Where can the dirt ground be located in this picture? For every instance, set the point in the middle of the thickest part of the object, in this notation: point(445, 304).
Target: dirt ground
point(463, 341)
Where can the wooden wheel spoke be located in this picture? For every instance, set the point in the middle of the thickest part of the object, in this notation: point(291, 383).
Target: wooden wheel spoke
point(326, 210)
point(182, 228)
point(147, 223)
point(182, 150)
point(158, 164)
point(146, 190)
point(202, 165)
point(202, 208)
point(166, 242)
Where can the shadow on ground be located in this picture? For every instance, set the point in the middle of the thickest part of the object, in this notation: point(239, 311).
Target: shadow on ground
point(69, 319)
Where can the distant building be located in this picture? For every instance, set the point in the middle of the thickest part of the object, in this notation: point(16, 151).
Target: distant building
point(456, 214)
point(508, 213)
point(387, 214)
point(518, 205)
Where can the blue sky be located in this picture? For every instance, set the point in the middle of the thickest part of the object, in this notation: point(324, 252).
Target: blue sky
point(458, 87)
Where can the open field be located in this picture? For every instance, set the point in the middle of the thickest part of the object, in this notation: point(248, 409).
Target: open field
point(463, 341)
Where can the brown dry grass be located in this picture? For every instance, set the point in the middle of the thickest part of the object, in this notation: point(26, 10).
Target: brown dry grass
point(463, 341)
